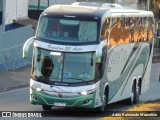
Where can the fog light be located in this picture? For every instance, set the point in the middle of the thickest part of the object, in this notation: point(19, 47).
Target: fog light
point(34, 97)
point(87, 102)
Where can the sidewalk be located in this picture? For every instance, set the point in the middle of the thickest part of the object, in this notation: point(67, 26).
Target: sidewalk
point(15, 79)
point(20, 77)
point(156, 55)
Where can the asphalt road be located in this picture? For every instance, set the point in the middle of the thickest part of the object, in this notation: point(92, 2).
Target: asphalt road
point(18, 100)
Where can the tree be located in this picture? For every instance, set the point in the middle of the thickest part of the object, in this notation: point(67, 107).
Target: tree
point(154, 7)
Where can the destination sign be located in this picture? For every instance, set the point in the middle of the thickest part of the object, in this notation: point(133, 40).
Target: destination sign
point(65, 48)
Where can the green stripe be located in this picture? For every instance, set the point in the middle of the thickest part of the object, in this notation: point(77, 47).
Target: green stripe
point(119, 82)
point(141, 60)
point(77, 101)
point(36, 7)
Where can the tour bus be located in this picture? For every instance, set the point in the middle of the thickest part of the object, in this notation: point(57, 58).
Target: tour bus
point(88, 55)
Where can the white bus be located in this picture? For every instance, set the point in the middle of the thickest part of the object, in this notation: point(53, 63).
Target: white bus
point(90, 55)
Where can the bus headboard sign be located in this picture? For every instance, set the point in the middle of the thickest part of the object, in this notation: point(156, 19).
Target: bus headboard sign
point(65, 48)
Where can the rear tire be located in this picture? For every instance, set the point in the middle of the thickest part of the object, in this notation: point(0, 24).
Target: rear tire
point(46, 107)
point(134, 95)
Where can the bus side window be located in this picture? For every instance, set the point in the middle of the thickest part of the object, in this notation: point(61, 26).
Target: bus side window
point(123, 34)
point(126, 33)
point(150, 28)
point(140, 29)
point(114, 34)
point(135, 25)
point(145, 30)
point(122, 24)
point(105, 29)
point(131, 29)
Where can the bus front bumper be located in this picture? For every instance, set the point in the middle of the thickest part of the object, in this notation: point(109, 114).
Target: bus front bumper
point(86, 101)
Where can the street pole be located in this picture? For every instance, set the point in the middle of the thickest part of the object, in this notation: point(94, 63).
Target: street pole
point(148, 5)
point(48, 3)
point(3, 14)
point(38, 4)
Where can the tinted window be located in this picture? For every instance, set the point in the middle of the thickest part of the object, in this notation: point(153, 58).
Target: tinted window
point(65, 30)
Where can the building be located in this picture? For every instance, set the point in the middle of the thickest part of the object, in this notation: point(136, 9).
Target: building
point(43, 4)
point(1, 12)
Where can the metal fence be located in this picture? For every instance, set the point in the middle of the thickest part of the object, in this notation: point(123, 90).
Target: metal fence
point(11, 44)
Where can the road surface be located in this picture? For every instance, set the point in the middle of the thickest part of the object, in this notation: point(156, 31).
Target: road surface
point(18, 100)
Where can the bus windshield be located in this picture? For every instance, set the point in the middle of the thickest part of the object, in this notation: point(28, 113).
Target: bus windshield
point(63, 67)
point(65, 30)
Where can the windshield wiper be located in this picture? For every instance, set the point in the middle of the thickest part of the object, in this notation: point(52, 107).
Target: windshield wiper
point(38, 78)
point(76, 79)
point(41, 79)
point(79, 79)
point(52, 87)
point(56, 78)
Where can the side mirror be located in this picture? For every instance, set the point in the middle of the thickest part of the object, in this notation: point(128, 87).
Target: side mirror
point(26, 47)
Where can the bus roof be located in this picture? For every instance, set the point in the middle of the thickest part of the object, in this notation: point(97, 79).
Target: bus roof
point(93, 11)
point(74, 11)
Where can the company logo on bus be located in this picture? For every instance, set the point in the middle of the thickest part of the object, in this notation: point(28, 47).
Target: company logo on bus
point(60, 95)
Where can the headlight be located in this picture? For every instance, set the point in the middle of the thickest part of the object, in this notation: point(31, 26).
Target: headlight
point(87, 92)
point(84, 92)
point(36, 88)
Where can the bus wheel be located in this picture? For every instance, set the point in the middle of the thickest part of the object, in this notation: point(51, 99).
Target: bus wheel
point(102, 108)
point(46, 107)
point(134, 95)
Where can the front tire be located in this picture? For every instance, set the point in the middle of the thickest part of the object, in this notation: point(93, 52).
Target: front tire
point(46, 107)
point(102, 108)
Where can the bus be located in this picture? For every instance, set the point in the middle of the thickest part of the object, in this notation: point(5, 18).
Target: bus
point(89, 55)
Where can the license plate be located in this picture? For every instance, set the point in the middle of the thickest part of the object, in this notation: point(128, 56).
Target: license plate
point(59, 104)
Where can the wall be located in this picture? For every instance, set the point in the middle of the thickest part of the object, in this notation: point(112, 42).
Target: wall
point(10, 11)
point(1, 12)
point(12, 41)
point(15, 9)
point(33, 4)
point(0, 5)
point(22, 8)
point(11, 48)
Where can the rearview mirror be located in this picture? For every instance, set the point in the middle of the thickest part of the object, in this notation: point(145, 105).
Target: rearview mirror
point(26, 47)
